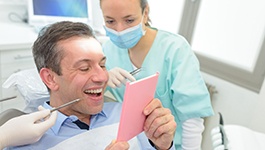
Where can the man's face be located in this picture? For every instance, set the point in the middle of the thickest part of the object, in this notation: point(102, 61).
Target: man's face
point(83, 76)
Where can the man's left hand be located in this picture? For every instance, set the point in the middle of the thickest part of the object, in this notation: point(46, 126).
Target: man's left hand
point(160, 125)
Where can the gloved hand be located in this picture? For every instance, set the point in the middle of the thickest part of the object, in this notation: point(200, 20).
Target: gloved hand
point(26, 129)
point(217, 139)
point(117, 76)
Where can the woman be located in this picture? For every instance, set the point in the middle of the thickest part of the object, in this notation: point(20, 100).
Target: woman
point(135, 44)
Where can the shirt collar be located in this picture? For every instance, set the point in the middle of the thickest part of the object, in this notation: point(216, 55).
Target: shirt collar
point(59, 121)
point(61, 118)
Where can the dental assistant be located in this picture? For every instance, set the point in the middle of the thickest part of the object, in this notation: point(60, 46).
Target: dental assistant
point(134, 44)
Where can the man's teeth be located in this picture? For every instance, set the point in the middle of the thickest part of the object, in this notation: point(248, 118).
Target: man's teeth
point(95, 91)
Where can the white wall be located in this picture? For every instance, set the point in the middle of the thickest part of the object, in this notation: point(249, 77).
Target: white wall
point(238, 105)
point(228, 33)
point(6, 7)
point(166, 14)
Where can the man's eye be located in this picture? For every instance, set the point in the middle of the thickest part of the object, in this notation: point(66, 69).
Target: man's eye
point(103, 66)
point(84, 69)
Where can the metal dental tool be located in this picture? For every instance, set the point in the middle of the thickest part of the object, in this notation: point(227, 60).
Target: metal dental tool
point(11, 113)
point(135, 71)
point(64, 105)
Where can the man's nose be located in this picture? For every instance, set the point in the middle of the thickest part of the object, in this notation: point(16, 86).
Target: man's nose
point(100, 75)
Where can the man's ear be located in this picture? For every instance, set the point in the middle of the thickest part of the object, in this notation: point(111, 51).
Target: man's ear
point(48, 77)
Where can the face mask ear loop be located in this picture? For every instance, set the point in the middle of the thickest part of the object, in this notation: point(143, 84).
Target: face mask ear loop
point(144, 30)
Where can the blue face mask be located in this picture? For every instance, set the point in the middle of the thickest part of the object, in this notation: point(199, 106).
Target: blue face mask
point(127, 38)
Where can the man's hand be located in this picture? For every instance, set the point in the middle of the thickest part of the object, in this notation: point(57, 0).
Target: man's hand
point(160, 125)
point(118, 146)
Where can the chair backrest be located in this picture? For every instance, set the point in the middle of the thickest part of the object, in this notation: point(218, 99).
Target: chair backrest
point(30, 86)
point(9, 114)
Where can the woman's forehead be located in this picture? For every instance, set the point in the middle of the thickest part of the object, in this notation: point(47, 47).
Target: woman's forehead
point(121, 7)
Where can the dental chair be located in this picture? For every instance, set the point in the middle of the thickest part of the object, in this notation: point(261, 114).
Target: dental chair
point(236, 137)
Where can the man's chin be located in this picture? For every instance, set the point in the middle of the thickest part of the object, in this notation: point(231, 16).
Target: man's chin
point(96, 110)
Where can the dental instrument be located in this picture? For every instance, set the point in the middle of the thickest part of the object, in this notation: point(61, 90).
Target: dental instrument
point(11, 113)
point(135, 71)
point(64, 105)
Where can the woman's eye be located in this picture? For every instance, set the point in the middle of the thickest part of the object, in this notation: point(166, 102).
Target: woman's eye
point(130, 20)
point(109, 21)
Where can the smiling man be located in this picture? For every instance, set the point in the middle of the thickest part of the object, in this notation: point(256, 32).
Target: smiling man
point(71, 63)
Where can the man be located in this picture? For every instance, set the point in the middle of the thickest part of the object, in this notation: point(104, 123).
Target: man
point(71, 63)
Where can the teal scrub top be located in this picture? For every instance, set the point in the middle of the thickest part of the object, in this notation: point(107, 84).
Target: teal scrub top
point(180, 87)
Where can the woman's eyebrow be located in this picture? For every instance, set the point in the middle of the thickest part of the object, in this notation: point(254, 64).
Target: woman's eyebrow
point(125, 17)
